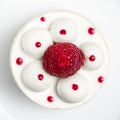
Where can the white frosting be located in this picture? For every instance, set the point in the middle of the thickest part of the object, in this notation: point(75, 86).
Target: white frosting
point(66, 91)
point(92, 49)
point(46, 32)
point(31, 37)
point(64, 24)
point(30, 78)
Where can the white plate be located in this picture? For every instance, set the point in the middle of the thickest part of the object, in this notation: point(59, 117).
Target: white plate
point(104, 14)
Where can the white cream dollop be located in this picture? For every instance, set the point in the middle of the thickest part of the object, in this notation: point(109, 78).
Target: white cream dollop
point(89, 50)
point(64, 30)
point(34, 36)
point(31, 77)
point(73, 89)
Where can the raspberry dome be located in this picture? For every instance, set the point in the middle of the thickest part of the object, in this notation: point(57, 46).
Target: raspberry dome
point(63, 59)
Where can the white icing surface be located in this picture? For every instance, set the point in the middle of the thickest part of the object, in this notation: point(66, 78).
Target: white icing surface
point(30, 77)
point(67, 93)
point(36, 35)
point(64, 24)
point(24, 47)
point(92, 49)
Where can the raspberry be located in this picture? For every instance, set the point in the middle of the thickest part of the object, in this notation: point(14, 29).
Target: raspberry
point(63, 59)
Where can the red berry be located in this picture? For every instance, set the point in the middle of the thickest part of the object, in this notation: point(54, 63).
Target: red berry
point(19, 61)
point(50, 98)
point(100, 79)
point(92, 58)
point(91, 31)
point(40, 76)
point(63, 32)
point(63, 59)
point(42, 19)
point(75, 87)
point(38, 44)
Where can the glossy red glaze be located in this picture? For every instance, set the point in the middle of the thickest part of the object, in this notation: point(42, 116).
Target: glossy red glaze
point(40, 76)
point(75, 87)
point(38, 44)
point(50, 99)
point(19, 61)
point(91, 31)
point(42, 19)
point(92, 58)
point(100, 79)
point(63, 32)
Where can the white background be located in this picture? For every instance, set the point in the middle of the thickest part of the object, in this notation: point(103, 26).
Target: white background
point(105, 14)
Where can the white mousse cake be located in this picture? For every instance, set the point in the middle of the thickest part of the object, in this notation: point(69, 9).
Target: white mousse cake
point(59, 60)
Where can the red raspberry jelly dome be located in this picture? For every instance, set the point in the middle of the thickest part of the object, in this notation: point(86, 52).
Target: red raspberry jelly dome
point(63, 59)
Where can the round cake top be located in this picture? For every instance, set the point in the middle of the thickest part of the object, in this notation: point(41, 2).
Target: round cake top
point(59, 60)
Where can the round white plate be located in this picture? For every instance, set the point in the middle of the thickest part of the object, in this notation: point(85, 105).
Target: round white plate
point(104, 14)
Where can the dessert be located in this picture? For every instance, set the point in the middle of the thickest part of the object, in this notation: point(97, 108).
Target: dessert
point(59, 60)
